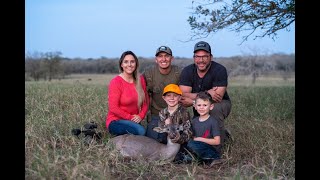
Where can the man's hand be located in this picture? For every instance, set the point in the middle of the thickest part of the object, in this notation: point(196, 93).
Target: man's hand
point(187, 97)
point(217, 93)
point(185, 101)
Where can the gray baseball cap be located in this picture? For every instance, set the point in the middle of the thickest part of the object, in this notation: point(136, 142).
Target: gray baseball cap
point(165, 49)
point(202, 46)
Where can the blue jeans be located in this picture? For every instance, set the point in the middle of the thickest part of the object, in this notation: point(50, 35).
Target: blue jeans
point(203, 150)
point(160, 137)
point(120, 127)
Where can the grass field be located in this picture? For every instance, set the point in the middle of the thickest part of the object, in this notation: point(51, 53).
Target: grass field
point(262, 122)
point(103, 79)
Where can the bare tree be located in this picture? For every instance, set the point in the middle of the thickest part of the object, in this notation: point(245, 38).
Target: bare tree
point(34, 66)
point(53, 62)
point(242, 15)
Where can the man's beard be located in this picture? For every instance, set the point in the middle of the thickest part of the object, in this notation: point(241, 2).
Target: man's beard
point(205, 69)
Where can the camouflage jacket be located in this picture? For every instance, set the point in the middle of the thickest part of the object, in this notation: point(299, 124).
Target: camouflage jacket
point(180, 116)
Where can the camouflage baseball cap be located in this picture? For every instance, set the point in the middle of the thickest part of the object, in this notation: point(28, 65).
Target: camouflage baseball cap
point(202, 46)
point(165, 49)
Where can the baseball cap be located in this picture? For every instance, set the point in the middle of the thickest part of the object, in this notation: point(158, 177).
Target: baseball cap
point(202, 46)
point(172, 88)
point(165, 49)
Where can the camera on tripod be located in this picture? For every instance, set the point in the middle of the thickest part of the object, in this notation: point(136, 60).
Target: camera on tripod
point(89, 129)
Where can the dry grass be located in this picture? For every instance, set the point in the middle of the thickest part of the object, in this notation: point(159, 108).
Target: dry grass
point(103, 79)
point(275, 80)
point(262, 122)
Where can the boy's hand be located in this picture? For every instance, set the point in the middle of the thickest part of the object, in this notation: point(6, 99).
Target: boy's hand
point(167, 121)
point(197, 138)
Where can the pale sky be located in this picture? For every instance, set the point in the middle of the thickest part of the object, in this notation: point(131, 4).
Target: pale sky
point(96, 28)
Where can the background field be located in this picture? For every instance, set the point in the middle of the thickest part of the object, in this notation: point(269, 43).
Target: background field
point(103, 79)
point(262, 122)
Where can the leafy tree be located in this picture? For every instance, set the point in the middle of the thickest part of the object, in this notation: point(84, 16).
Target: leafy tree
point(242, 15)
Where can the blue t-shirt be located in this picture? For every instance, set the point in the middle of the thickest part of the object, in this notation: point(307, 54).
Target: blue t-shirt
point(206, 129)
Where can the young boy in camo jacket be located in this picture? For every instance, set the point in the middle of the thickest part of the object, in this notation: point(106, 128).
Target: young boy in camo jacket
point(175, 113)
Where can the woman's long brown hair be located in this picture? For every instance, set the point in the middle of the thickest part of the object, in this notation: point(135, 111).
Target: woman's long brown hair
point(136, 76)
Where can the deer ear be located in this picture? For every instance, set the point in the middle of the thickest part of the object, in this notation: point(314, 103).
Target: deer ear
point(159, 130)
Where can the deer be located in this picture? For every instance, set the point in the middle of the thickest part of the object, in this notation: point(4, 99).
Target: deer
point(138, 146)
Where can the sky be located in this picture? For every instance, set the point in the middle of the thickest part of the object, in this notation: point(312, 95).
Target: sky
point(106, 28)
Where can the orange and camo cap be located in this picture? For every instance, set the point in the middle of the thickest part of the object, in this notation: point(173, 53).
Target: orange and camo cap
point(172, 88)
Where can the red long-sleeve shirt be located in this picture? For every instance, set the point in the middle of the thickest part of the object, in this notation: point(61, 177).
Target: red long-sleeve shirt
point(123, 100)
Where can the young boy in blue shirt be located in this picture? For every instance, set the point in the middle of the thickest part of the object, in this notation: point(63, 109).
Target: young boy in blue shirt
point(206, 132)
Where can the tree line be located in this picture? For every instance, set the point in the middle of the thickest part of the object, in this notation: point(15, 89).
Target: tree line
point(52, 65)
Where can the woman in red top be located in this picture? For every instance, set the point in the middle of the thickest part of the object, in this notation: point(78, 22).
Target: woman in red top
point(127, 97)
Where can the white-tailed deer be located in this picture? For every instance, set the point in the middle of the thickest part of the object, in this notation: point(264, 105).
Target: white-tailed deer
point(137, 146)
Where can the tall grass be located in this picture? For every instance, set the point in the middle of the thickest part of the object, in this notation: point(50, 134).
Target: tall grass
point(262, 122)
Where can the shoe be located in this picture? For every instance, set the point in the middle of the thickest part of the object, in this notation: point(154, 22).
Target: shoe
point(228, 135)
point(215, 162)
point(178, 159)
point(182, 158)
point(187, 159)
point(210, 162)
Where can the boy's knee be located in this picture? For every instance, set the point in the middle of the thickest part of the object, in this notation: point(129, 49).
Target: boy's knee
point(190, 144)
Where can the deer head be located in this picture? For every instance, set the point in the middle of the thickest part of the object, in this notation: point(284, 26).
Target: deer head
point(173, 130)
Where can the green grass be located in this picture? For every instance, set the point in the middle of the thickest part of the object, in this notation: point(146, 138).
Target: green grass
point(262, 121)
